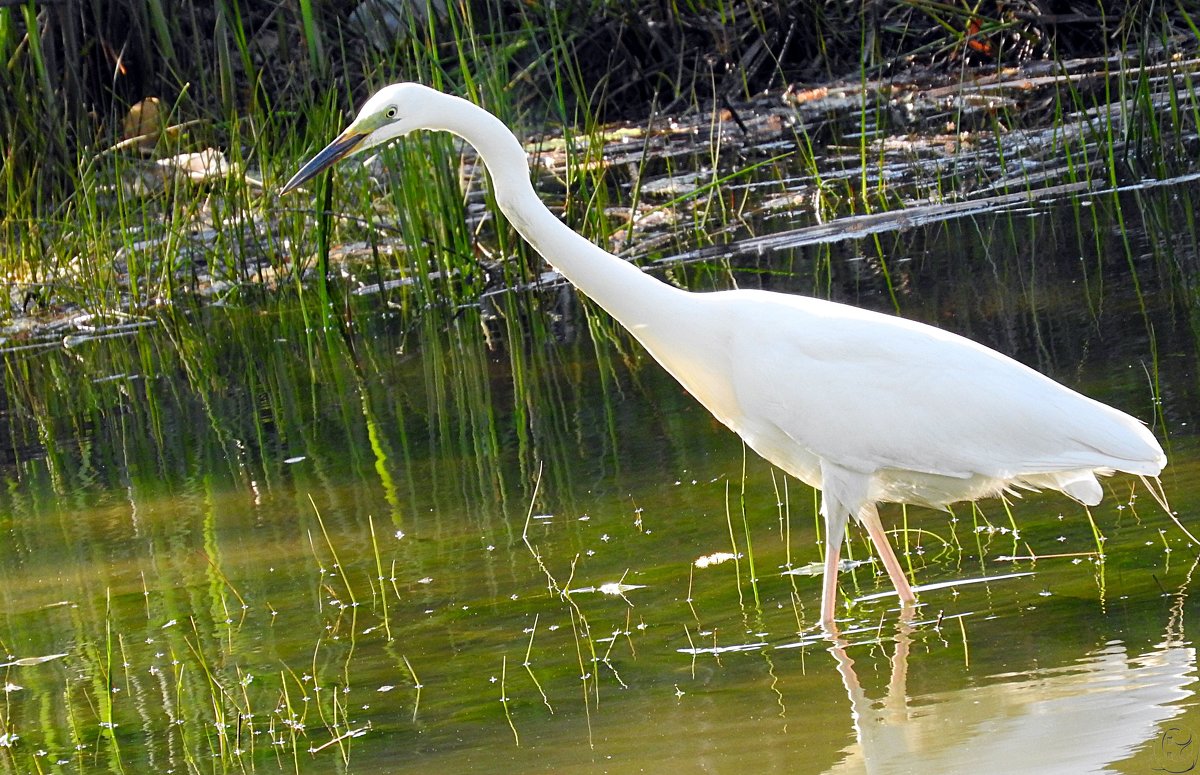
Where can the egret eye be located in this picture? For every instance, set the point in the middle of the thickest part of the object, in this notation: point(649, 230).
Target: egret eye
point(391, 112)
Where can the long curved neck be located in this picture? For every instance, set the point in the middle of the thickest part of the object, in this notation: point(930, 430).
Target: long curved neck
point(624, 291)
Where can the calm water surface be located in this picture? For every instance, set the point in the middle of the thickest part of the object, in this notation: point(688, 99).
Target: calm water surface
point(231, 542)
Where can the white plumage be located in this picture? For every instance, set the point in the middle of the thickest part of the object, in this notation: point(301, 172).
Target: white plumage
point(866, 407)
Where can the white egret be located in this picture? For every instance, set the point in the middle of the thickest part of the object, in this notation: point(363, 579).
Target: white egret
point(866, 407)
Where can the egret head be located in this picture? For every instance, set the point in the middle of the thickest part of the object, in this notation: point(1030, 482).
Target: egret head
point(391, 112)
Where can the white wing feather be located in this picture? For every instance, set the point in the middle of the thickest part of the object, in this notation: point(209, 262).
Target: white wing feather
point(873, 392)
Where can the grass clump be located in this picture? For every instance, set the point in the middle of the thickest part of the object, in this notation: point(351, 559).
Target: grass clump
point(142, 144)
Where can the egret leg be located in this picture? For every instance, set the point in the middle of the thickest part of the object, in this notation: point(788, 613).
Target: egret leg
point(835, 532)
point(869, 516)
point(833, 553)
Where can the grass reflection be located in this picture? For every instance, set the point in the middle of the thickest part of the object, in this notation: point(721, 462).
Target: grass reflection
point(247, 538)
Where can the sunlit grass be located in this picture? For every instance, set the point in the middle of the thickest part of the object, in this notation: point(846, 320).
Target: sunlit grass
point(102, 240)
point(281, 529)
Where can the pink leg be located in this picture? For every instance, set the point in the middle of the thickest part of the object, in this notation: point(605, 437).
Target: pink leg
point(835, 532)
point(870, 519)
point(833, 553)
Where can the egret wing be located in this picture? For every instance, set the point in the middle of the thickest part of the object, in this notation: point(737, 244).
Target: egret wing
point(871, 391)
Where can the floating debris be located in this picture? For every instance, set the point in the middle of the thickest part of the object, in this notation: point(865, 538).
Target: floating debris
point(724, 649)
point(945, 585)
point(31, 661)
point(817, 568)
point(808, 640)
point(614, 588)
point(344, 736)
point(716, 558)
point(618, 588)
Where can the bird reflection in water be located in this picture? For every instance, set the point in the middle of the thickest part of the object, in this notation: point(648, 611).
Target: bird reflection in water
point(1077, 718)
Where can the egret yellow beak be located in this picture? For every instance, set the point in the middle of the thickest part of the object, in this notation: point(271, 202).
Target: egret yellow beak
point(343, 146)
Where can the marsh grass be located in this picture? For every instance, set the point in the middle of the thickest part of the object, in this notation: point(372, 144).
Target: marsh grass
point(80, 236)
point(436, 392)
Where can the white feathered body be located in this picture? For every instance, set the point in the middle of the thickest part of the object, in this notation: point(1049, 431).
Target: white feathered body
point(910, 412)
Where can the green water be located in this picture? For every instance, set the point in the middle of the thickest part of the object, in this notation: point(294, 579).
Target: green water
point(235, 542)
